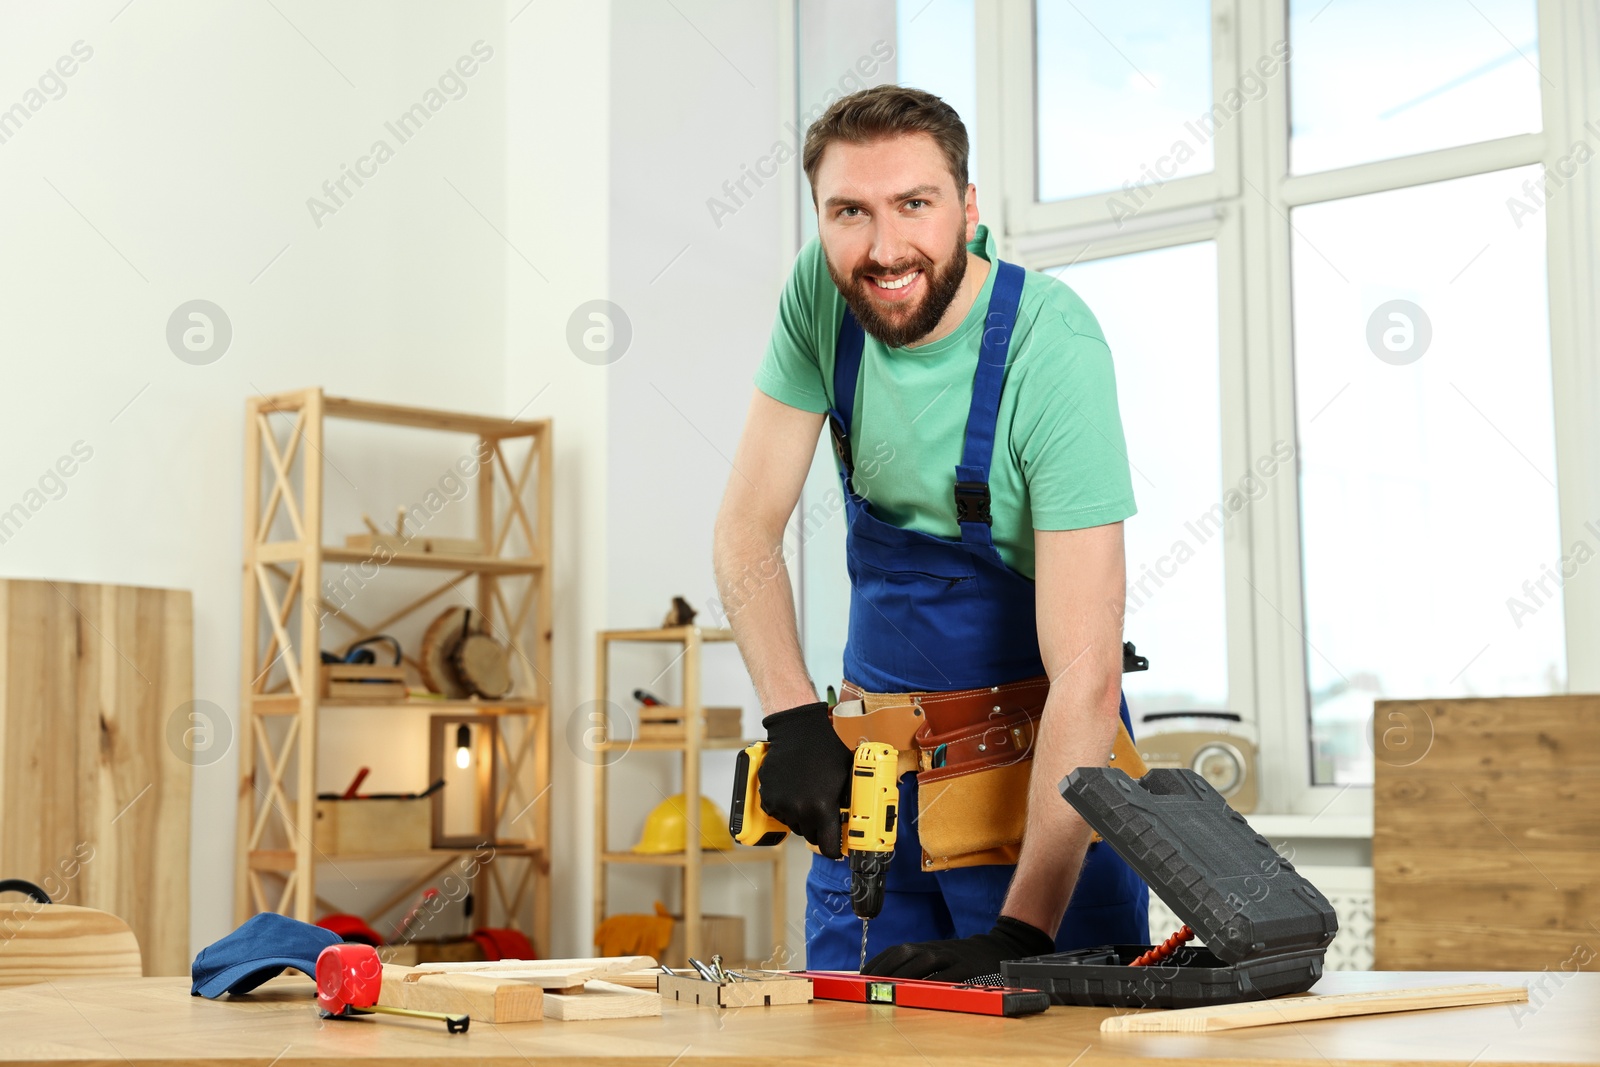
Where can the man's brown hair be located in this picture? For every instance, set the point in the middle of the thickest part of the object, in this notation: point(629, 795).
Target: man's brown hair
point(888, 111)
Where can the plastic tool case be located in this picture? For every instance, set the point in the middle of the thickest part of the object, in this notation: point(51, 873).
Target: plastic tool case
point(1265, 927)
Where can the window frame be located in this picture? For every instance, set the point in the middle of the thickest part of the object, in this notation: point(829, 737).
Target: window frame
point(1244, 206)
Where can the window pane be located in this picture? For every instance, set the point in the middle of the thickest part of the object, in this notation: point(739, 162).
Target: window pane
point(1168, 391)
point(936, 51)
point(1120, 87)
point(1376, 79)
point(1427, 449)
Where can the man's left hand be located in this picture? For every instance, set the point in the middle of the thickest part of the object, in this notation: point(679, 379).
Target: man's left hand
point(965, 958)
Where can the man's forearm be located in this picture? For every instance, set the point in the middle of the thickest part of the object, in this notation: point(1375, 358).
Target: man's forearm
point(1078, 729)
point(753, 582)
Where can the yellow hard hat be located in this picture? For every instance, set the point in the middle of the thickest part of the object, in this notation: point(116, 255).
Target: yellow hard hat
point(667, 826)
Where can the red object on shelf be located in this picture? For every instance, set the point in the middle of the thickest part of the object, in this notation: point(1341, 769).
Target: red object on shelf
point(855, 988)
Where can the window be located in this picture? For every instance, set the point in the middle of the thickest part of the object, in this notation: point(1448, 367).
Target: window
point(1433, 74)
point(1427, 484)
point(1116, 83)
point(1167, 384)
point(1357, 310)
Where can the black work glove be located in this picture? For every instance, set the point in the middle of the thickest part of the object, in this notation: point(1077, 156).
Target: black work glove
point(963, 959)
point(805, 777)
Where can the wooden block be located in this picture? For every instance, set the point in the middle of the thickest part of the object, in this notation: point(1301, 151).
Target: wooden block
point(362, 681)
point(486, 999)
point(354, 827)
point(548, 974)
point(664, 723)
point(47, 941)
point(766, 992)
point(602, 1000)
point(1486, 814)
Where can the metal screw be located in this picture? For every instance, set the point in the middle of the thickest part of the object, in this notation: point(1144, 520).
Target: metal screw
point(982, 747)
point(997, 707)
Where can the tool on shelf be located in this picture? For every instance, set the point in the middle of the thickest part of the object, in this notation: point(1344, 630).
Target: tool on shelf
point(968, 997)
point(869, 821)
point(460, 659)
point(647, 698)
point(680, 614)
point(349, 979)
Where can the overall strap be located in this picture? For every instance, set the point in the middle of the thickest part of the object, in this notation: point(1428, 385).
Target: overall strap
point(846, 371)
point(972, 474)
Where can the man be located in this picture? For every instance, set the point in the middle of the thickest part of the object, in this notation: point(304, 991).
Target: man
point(985, 554)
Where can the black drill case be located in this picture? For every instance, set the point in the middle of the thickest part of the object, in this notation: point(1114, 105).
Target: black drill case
point(1265, 928)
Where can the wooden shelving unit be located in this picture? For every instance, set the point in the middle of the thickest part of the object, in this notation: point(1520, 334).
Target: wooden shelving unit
point(281, 706)
point(693, 861)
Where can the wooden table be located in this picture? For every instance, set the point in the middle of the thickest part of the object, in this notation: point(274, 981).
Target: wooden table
point(154, 1021)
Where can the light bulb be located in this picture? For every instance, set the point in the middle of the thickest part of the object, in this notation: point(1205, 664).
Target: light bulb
point(463, 746)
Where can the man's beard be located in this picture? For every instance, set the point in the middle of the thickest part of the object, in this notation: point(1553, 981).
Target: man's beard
point(895, 329)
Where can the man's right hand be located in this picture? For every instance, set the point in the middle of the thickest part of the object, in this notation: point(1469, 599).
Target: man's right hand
point(805, 777)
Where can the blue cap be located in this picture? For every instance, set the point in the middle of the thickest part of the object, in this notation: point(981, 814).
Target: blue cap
point(260, 949)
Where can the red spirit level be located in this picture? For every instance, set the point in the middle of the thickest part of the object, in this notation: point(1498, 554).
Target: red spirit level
point(965, 997)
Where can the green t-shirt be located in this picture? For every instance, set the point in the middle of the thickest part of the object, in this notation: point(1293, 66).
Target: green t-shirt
point(1059, 458)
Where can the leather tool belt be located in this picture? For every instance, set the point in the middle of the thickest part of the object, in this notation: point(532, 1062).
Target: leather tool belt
point(972, 751)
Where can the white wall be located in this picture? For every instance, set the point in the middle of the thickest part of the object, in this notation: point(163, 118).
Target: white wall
point(695, 101)
point(177, 165)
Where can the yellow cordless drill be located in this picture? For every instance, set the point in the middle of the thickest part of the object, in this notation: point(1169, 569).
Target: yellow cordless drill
point(868, 823)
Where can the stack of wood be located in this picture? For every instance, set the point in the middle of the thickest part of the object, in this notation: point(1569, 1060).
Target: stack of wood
point(518, 991)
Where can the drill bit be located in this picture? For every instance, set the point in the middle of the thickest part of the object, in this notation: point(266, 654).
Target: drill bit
point(863, 964)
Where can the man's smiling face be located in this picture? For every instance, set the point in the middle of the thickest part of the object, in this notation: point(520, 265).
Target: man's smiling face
point(894, 231)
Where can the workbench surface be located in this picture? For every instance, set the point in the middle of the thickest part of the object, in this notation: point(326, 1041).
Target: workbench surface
point(151, 1021)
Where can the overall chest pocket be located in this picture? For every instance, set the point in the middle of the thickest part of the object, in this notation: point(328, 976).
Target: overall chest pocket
point(908, 560)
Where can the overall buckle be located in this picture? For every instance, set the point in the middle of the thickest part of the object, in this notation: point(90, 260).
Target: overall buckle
point(972, 503)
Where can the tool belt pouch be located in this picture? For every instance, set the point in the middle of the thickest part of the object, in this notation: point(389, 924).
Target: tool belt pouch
point(971, 810)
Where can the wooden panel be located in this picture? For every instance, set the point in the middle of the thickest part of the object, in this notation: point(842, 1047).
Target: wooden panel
point(49, 941)
point(1486, 833)
point(94, 801)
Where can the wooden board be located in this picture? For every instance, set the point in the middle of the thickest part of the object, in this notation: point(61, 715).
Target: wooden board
point(486, 999)
point(766, 992)
point(49, 941)
point(1302, 1009)
point(548, 974)
point(94, 799)
point(602, 1000)
point(1486, 833)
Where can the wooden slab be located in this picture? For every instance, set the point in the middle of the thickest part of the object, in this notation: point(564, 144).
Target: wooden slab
point(486, 999)
point(1301, 1009)
point(548, 974)
point(98, 739)
point(48, 941)
point(1486, 815)
point(602, 1000)
point(762, 993)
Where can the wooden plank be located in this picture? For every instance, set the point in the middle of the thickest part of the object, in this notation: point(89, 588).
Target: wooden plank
point(1486, 834)
point(486, 999)
point(93, 798)
point(1303, 1009)
point(602, 1000)
point(49, 941)
point(340, 407)
point(549, 974)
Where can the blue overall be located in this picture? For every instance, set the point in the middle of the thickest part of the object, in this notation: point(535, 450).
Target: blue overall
point(927, 613)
